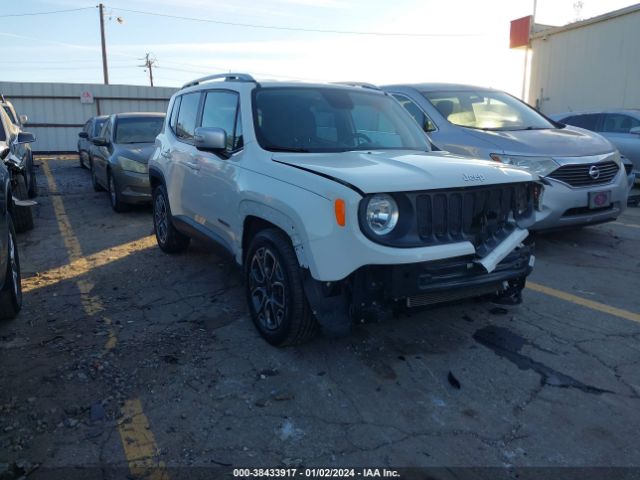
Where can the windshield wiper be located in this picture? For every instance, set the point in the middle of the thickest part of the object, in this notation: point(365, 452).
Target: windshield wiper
point(273, 148)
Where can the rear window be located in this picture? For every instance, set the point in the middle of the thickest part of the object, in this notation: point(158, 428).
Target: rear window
point(588, 122)
point(138, 129)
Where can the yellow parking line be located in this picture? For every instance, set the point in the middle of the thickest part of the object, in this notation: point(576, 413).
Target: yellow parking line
point(83, 265)
point(138, 442)
point(600, 307)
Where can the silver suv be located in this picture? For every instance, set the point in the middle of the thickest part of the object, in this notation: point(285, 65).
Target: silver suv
point(330, 199)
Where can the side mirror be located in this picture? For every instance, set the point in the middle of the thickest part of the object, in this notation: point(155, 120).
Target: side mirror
point(100, 142)
point(83, 135)
point(23, 119)
point(211, 139)
point(4, 151)
point(25, 137)
point(429, 126)
point(635, 130)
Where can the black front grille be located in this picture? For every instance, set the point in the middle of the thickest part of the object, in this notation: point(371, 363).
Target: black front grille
point(481, 215)
point(579, 175)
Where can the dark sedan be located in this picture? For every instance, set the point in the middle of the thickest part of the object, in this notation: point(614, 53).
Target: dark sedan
point(120, 157)
point(91, 129)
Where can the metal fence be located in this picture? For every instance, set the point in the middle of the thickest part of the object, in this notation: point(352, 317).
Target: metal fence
point(58, 111)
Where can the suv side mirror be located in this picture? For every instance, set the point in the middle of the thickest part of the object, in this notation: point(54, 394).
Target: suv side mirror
point(429, 126)
point(100, 142)
point(83, 135)
point(25, 137)
point(4, 151)
point(212, 139)
point(23, 119)
point(635, 130)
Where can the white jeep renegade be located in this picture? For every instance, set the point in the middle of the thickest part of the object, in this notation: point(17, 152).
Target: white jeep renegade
point(330, 199)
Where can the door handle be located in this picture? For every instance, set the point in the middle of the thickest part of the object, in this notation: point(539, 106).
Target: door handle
point(165, 153)
point(192, 165)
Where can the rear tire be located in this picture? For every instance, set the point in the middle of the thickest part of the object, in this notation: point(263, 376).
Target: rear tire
point(82, 165)
point(114, 196)
point(11, 293)
point(22, 216)
point(94, 180)
point(170, 240)
point(275, 293)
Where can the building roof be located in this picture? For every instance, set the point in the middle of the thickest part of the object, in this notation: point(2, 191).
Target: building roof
point(543, 32)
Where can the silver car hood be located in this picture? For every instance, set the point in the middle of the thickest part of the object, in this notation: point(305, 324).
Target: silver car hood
point(552, 142)
point(398, 170)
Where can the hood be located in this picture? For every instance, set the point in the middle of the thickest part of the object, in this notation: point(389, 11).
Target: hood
point(140, 152)
point(397, 171)
point(551, 142)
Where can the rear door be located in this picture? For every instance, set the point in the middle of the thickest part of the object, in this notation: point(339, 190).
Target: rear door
point(182, 155)
point(100, 155)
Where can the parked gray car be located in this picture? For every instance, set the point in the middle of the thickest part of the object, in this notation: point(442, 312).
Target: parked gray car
point(620, 127)
point(585, 181)
point(91, 129)
point(120, 157)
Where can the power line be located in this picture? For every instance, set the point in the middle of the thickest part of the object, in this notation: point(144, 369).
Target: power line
point(298, 29)
point(44, 13)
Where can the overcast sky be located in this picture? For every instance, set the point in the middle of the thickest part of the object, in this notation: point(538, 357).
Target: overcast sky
point(460, 40)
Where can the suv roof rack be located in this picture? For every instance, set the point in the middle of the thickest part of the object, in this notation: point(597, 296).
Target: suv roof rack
point(228, 77)
point(370, 86)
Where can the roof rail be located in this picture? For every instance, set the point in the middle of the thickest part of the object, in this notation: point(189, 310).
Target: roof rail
point(228, 77)
point(370, 86)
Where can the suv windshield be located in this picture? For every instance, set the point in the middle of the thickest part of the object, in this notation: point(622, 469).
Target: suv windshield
point(311, 119)
point(138, 129)
point(486, 110)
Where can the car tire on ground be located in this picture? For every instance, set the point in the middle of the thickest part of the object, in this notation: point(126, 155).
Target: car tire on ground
point(114, 196)
point(94, 180)
point(170, 240)
point(11, 293)
point(274, 289)
point(22, 216)
point(32, 183)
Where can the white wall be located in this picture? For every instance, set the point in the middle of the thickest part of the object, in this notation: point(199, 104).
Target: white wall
point(594, 66)
point(56, 114)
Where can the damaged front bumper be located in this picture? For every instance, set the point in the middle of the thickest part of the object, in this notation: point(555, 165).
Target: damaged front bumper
point(440, 281)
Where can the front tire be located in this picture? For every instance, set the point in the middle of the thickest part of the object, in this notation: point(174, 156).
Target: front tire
point(275, 293)
point(114, 196)
point(11, 293)
point(23, 216)
point(32, 183)
point(170, 240)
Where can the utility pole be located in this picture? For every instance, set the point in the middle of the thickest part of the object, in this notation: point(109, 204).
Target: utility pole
point(149, 62)
point(105, 68)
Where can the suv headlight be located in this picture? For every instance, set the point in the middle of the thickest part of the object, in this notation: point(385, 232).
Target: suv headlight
point(381, 214)
point(132, 166)
point(539, 165)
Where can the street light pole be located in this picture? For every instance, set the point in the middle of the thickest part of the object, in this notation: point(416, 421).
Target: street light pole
point(105, 68)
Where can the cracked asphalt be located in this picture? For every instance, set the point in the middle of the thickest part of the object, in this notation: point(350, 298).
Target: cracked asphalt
point(110, 323)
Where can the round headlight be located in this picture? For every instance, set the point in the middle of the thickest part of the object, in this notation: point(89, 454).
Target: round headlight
point(382, 214)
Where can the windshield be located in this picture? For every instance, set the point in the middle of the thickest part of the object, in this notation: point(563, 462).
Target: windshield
point(138, 129)
point(305, 119)
point(10, 114)
point(97, 126)
point(486, 110)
